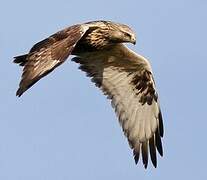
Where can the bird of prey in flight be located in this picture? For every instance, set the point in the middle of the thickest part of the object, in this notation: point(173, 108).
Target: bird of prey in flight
point(124, 77)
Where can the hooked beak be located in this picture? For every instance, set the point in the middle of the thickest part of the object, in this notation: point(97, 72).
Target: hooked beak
point(133, 40)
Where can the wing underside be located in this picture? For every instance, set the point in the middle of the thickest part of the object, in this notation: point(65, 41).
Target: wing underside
point(127, 80)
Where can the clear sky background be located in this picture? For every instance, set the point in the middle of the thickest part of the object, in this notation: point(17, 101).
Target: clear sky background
point(64, 128)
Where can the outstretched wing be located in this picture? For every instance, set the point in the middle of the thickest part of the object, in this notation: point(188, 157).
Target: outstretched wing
point(126, 78)
point(46, 55)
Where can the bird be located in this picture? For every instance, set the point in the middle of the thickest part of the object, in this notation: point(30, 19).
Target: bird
point(125, 77)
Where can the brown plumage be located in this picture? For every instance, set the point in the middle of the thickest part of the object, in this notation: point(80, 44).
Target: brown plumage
point(125, 77)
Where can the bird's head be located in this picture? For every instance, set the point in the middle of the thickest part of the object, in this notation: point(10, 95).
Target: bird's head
point(121, 33)
point(103, 33)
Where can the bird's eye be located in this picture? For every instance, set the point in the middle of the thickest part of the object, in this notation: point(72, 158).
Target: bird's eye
point(127, 35)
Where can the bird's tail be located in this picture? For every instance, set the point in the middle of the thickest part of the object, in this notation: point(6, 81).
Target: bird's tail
point(21, 60)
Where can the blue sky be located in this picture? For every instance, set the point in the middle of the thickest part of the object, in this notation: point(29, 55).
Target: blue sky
point(64, 128)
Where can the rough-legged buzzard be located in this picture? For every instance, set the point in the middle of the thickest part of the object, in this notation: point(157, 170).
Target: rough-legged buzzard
point(124, 76)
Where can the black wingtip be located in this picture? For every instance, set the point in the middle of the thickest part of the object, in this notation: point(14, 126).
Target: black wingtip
point(19, 92)
point(158, 143)
point(21, 60)
point(136, 158)
point(145, 154)
point(153, 154)
point(161, 128)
